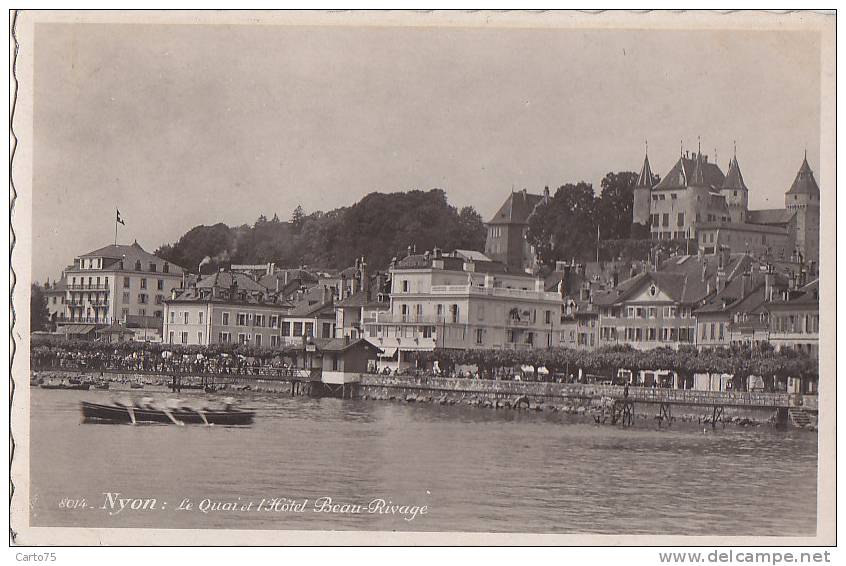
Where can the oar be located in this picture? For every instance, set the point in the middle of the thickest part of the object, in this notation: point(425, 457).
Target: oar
point(202, 416)
point(171, 417)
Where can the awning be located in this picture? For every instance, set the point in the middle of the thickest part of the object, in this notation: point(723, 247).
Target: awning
point(530, 369)
point(388, 353)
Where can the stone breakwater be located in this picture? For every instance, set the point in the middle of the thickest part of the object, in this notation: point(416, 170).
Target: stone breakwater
point(591, 401)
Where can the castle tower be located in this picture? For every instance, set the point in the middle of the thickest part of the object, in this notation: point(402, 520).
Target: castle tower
point(736, 193)
point(642, 196)
point(803, 198)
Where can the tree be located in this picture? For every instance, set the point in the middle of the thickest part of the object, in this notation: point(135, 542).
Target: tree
point(616, 202)
point(39, 316)
point(565, 228)
point(297, 217)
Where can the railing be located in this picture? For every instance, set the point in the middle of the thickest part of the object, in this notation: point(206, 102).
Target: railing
point(89, 287)
point(388, 318)
point(495, 292)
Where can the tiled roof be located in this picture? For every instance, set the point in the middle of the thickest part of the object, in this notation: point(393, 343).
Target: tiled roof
point(804, 183)
point(809, 295)
point(269, 281)
point(312, 303)
point(130, 254)
point(770, 216)
point(681, 175)
point(342, 344)
point(680, 278)
point(360, 299)
point(516, 209)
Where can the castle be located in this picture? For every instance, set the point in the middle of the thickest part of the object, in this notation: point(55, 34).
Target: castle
point(696, 201)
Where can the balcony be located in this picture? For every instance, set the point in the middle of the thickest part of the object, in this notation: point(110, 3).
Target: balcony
point(389, 318)
point(89, 287)
point(475, 290)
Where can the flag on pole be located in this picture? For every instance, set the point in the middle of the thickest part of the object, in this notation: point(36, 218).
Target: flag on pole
point(118, 219)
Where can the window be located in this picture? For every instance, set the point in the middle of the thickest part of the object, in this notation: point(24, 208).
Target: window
point(274, 341)
point(157, 314)
point(547, 317)
point(530, 338)
point(152, 267)
point(200, 317)
point(479, 335)
point(652, 312)
point(652, 334)
point(427, 331)
point(225, 319)
point(166, 268)
point(722, 331)
point(172, 317)
point(258, 320)
point(405, 286)
point(327, 330)
point(224, 338)
point(274, 321)
point(298, 329)
point(242, 338)
point(142, 298)
point(286, 328)
point(335, 362)
point(184, 337)
point(159, 299)
point(309, 329)
point(242, 319)
point(138, 265)
point(125, 296)
point(185, 317)
point(665, 219)
point(142, 312)
point(126, 282)
point(680, 220)
point(143, 282)
point(258, 339)
point(160, 284)
point(170, 337)
point(199, 337)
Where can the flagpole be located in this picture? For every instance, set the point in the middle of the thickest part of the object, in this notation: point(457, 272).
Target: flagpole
point(116, 223)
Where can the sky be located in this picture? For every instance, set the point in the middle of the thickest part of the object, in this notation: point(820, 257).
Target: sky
point(182, 125)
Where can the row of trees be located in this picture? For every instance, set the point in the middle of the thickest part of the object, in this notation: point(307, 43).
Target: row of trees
point(566, 227)
point(380, 226)
point(738, 361)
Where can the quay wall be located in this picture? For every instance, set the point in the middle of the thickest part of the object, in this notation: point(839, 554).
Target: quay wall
point(568, 398)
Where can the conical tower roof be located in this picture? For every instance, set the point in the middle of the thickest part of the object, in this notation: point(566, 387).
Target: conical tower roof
point(734, 178)
point(645, 180)
point(804, 183)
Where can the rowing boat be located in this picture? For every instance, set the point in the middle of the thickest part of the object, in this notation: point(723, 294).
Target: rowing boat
point(76, 387)
point(94, 412)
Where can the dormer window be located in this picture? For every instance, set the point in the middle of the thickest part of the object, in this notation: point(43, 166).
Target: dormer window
point(138, 265)
point(153, 267)
point(166, 267)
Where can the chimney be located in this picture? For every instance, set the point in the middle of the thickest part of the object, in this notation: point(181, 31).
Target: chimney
point(409, 250)
point(342, 292)
point(546, 195)
point(324, 292)
point(277, 284)
point(365, 278)
point(173, 294)
point(768, 286)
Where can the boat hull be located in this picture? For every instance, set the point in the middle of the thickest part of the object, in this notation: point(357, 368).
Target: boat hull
point(94, 412)
point(77, 387)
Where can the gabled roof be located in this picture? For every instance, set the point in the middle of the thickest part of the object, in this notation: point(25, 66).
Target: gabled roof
point(681, 175)
point(312, 303)
point(360, 299)
point(680, 278)
point(808, 295)
point(734, 178)
point(517, 208)
point(804, 183)
point(771, 216)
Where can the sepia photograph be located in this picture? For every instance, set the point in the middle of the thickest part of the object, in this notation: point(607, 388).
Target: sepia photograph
point(343, 278)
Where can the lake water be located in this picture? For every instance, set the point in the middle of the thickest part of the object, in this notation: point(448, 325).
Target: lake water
point(473, 469)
